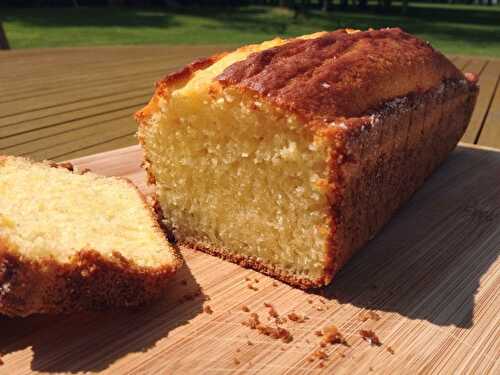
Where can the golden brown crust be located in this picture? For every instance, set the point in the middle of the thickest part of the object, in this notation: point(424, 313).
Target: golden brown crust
point(88, 281)
point(256, 264)
point(341, 74)
point(163, 87)
point(385, 157)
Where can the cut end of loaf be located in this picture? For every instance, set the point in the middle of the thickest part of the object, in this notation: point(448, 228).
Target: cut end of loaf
point(255, 190)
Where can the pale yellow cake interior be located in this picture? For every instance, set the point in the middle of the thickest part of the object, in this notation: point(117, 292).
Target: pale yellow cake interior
point(51, 213)
point(234, 174)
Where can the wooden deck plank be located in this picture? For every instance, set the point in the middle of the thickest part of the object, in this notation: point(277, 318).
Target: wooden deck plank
point(56, 112)
point(53, 74)
point(53, 135)
point(487, 83)
point(133, 103)
point(490, 133)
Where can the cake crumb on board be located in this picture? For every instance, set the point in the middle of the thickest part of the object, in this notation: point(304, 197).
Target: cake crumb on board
point(370, 337)
point(332, 335)
point(369, 315)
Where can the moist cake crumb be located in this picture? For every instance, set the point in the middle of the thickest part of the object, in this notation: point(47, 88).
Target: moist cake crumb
point(252, 287)
point(367, 315)
point(331, 335)
point(252, 321)
point(272, 311)
point(320, 354)
point(370, 336)
point(294, 317)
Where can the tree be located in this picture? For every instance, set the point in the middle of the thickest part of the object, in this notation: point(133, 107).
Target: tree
point(326, 5)
point(404, 7)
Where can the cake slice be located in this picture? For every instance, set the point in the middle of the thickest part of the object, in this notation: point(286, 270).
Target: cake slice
point(288, 156)
point(71, 241)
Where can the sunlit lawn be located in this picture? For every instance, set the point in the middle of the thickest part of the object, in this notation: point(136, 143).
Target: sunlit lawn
point(460, 29)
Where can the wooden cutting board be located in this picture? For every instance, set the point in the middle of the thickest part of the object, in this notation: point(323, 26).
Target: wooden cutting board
point(432, 276)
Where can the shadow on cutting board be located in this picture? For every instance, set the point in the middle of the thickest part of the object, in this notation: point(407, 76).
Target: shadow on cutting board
point(428, 262)
point(89, 342)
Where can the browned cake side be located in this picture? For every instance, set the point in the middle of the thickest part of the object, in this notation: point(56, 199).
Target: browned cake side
point(390, 156)
point(88, 282)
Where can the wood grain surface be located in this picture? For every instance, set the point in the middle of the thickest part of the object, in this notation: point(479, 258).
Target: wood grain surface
point(432, 276)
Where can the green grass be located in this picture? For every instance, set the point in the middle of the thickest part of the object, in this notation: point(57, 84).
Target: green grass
point(458, 29)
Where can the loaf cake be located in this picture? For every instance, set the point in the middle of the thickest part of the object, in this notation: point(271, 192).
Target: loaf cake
point(288, 156)
point(71, 241)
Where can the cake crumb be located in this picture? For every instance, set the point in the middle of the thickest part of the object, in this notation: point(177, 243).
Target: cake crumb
point(320, 354)
point(367, 315)
point(277, 333)
point(238, 350)
point(275, 284)
point(208, 309)
point(370, 336)
point(371, 368)
point(256, 280)
point(390, 349)
point(331, 335)
point(248, 278)
point(236, 361)
point(309, 301)
point(252, 287)
point(252, 321)
point(245, 308)
point(318, 333)
point(307, 341)
point(322, 364)
point(249, 343)
point(310, 359)
point(283, 348)
point(294, 317)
